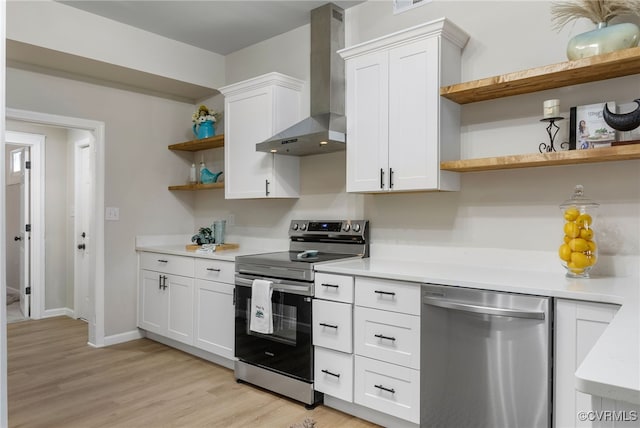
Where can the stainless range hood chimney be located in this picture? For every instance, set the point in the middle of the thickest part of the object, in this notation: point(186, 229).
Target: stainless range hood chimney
point(324, 131)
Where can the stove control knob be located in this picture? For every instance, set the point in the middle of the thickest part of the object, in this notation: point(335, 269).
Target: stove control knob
point(294, 226)
point(303, 226)
point(346, 227)
point(356, 228)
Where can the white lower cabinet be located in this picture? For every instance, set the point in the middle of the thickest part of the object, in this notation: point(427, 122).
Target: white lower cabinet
point(180, 308)
point(332, 333)
point(387, 388)
point(189, 300)
point(333, 373)
point(215, 314)
point(578, 325)
point(387, 336)
point(165, 305)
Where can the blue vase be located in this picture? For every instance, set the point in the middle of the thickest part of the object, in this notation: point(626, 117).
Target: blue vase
point(603, 39)
point(205, 129)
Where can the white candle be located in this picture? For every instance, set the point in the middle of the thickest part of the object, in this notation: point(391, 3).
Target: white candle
point(551, 108)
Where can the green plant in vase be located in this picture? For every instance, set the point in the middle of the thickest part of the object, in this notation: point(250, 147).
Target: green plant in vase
point(204, 236)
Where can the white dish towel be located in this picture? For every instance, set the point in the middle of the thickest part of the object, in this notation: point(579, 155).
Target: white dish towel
point(261, 317)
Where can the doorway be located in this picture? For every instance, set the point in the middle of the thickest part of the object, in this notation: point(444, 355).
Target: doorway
point(94, 298)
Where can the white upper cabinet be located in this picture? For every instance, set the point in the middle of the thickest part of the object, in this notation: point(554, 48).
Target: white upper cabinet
point(255, 110)
point(398, 126)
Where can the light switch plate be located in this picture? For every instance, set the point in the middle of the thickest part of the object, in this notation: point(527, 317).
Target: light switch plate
point(112, 213)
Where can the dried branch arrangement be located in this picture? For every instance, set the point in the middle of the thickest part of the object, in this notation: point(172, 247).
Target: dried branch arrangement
point(594, 10)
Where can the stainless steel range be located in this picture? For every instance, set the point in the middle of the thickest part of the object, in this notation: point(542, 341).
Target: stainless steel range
point(283, 360)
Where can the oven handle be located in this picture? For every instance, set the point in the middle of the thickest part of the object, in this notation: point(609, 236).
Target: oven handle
point(277, 286)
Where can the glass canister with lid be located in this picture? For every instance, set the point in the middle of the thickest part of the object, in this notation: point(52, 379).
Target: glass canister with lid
point(578, 251)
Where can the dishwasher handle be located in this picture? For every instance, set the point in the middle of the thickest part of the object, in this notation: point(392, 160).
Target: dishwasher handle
point(487, 310)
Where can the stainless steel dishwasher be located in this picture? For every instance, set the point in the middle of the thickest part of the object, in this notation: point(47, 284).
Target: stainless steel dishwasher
point(485, 359)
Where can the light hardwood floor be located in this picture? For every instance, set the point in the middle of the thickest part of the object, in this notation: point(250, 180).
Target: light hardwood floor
point(56, 380)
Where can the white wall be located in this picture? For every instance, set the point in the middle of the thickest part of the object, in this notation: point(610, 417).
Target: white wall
point(138, 170)
point(515, 209)
point(507, 210)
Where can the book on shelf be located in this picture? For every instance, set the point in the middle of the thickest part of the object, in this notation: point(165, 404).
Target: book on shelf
point(588, 129)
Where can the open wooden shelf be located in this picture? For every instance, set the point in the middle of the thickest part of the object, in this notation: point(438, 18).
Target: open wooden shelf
point(198, 186)
point(202, 144)
point(569, 157)
point(600, 67)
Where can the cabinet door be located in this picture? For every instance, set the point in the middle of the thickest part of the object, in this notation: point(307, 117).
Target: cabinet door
point(179, 293)
point(248, 121)
point(152, 303)
point(367, 106)
point(414, 160)
point(251, 117)
point(578, 326)
point(214, 318)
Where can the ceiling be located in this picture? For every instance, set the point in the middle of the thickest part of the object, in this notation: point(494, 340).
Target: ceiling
point(220, 26)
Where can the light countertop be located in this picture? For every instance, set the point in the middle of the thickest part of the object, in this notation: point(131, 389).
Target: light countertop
point(612, 367)
point(180, 250)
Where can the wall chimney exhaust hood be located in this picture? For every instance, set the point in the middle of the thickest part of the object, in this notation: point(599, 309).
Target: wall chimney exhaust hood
point(325, 130)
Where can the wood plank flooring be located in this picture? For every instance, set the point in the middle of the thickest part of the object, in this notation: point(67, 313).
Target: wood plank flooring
point(56, 380)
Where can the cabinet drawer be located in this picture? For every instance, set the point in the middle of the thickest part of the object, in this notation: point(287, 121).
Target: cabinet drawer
point(333, 373)
point(215, 270)
point(334, 287)
point(387, 388)
point(166, 263)
point(394, 296)
point(387, 336)
point(332, 327)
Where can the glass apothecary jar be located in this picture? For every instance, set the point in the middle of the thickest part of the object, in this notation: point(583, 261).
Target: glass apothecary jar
point(578, 251)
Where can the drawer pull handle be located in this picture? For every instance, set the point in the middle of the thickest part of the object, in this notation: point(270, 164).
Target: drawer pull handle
point(386, 293)
point(329, 325)
point(391, 390)
point(213, 269)
point(163, 261)
point(330, 285)
point(329, 373)
point(381, 336)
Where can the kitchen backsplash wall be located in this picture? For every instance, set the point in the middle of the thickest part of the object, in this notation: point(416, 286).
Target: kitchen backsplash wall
point(515, 209)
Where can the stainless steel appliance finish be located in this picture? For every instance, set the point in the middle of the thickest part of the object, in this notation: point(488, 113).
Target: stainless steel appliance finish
point(485, 359)
point(283, 361)
point(324, 131)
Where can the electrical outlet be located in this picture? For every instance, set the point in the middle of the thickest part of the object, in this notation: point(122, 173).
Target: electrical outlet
point(231, 220)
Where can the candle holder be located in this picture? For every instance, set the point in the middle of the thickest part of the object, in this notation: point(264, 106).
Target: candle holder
point(552, 131)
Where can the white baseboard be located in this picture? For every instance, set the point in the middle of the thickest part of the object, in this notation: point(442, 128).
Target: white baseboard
point(127, 336)
point(58, 312)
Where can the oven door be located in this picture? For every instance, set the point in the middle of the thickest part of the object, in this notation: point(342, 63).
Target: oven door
point(288, 350)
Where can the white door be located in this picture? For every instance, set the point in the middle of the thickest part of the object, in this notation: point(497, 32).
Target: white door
point(25, 230)
point(83, 228)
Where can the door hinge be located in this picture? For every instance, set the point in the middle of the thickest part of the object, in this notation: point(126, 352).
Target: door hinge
point(27, 165)
point(27, 228)
point(27, 290)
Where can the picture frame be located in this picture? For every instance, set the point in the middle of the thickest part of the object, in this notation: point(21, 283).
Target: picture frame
point(588, 129)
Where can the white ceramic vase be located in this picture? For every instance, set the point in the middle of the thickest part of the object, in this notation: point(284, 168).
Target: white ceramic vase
point(604, 39)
